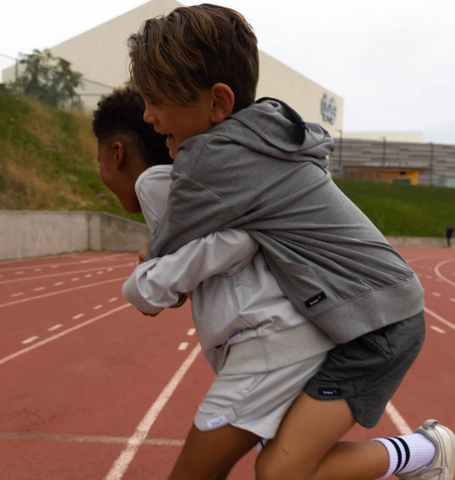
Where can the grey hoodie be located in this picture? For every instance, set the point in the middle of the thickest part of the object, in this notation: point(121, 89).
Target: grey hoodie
point(264, 170)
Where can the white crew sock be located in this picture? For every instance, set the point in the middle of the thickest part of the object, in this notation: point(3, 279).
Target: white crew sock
point(407, 453)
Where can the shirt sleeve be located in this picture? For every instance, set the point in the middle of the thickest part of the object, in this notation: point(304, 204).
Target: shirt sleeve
point(157, 283)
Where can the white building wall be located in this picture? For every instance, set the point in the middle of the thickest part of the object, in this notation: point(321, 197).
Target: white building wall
point(101, 55)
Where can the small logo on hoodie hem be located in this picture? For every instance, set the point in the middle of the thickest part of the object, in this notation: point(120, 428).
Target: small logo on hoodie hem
point(311, 302)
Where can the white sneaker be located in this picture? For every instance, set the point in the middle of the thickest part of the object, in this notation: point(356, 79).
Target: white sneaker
point(443, 465)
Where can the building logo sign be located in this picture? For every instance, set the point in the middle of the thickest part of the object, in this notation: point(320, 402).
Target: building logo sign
point(328, 109)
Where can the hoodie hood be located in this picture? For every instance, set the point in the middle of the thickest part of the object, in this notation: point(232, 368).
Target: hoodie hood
point(273, 128)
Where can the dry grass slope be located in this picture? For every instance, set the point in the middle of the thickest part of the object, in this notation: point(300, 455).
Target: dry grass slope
point(48, 160)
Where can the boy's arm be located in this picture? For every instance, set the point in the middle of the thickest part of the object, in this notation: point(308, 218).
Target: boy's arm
point(157, 283)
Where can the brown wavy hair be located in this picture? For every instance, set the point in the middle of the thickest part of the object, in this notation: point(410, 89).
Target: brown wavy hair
point(176, 57)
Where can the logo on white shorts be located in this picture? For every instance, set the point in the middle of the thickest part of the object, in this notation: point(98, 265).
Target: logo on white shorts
point(217, 421)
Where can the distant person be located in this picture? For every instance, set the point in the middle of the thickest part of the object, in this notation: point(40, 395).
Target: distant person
point(449, 233)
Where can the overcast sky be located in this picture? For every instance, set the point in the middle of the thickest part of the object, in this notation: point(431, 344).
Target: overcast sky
point(392, 61)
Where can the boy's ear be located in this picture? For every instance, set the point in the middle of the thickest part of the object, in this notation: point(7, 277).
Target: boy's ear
point(119, 153)
point(222, 102)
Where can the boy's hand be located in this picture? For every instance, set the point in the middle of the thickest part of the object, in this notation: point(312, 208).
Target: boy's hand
point(182, 299)
point(142, 253)
point(151, 314)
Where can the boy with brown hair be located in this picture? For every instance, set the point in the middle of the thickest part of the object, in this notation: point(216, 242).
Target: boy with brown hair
point(260, 167)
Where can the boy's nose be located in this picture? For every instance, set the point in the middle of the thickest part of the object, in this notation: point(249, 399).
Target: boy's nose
point(149, 117)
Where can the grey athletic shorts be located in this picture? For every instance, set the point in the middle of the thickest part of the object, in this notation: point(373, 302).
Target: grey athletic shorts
point(256, 402)
point(368, 370)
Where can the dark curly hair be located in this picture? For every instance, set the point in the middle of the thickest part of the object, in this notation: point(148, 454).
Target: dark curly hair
point(122, 112)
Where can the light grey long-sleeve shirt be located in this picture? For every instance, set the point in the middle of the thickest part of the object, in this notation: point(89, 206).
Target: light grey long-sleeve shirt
point(244, 322)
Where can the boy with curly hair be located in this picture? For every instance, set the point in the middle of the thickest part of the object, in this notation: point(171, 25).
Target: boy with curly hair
point(239, 311)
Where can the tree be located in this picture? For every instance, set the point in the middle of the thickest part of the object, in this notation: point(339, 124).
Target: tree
point(47, 78)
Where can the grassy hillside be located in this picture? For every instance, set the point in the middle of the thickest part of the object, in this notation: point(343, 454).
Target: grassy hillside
point(48, 162)
point(403, 209)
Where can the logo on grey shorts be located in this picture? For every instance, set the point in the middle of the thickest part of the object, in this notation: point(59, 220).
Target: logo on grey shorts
point(329, 392)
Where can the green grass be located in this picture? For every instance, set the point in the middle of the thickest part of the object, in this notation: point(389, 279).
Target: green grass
point(48, 162)
point(407, 210)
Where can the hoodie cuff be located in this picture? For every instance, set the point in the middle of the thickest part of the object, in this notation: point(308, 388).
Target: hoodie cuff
point(132, 294)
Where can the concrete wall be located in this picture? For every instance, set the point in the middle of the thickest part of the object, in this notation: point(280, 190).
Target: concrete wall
point(26, 234)
point(417, 242)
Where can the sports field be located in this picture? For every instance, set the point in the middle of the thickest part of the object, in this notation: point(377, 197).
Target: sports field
point(92, 389)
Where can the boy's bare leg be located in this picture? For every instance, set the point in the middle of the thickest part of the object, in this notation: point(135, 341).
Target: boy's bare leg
point(306, 447)
point(211, 455)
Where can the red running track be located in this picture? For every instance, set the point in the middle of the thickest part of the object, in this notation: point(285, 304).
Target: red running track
point(91, 389)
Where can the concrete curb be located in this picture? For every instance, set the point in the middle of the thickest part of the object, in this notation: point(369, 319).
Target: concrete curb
point(417, 242)
point(25, 234)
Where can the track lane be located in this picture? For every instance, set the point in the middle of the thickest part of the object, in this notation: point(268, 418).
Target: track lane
point(80, 369)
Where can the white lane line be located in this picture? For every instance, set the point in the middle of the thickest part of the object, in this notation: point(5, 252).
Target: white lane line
point(58, 284)
point(19, 273)
point(61, 334)
point(429, 277)
point(29, 340)
point(439, 274)
point(183, 346)
point(75, 279)
point(442, 320)
point(37, 269)
point(99, 273)
point(110, 269)
point(60, 274)
point(191, 331)
point(79, 315)
point(436, 294)
point(437, 329)
point(55, 327)
point(398, 420)
point(17, 294)
point(452, 299)
point(61, 291)
point(87, 438)
point(38, 289)
point(97, 307)
point(123, 461)
point(113, 299)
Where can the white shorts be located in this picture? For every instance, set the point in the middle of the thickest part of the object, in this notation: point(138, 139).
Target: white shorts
point(255, 402)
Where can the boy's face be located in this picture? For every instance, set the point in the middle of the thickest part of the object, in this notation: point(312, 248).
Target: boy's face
point(117, 174)
point(180, 122)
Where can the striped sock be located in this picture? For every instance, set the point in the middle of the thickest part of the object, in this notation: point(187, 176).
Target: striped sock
point(407, 453)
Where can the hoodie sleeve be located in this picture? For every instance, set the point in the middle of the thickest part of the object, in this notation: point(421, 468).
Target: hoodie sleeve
point(156, 284)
